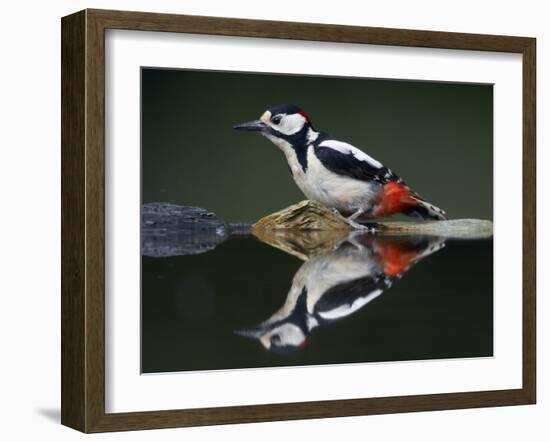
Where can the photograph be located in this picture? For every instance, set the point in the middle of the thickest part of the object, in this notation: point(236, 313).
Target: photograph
point(268, 219)
point(303, 220)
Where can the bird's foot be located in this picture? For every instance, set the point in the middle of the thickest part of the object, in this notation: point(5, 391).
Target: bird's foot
point(355, 225)
point(354, 238)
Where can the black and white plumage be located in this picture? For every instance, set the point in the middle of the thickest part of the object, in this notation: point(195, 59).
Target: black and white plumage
point(333, 286)
point(336, 173)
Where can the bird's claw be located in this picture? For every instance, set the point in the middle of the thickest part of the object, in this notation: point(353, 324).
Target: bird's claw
point(355, 225)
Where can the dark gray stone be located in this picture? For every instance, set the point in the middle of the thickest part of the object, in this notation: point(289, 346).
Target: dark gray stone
point(172, 230)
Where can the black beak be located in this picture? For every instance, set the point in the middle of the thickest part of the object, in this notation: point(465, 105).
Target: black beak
point(253, 126)
point(252, 332)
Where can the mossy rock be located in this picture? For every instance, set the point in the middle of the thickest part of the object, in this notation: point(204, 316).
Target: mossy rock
point(313, 216)
point(305, 215)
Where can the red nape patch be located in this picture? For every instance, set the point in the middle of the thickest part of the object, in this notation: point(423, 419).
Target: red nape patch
point(395, 198)
point(394, 257)
point(305, 115)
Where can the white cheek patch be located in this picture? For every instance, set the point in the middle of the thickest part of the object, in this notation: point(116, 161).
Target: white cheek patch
point(290, 334)
point(290, 124)
point(346, 148)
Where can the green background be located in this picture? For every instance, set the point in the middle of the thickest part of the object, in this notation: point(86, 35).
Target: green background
point(437, 136)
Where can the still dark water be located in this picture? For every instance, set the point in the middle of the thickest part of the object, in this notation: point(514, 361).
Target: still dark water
point(246, 304)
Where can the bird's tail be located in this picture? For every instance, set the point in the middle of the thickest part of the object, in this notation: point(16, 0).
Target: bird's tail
point(399, 198)
point(419, 208)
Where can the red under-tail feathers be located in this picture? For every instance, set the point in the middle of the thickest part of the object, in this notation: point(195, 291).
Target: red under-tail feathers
point(395, 257)
point(399, 198)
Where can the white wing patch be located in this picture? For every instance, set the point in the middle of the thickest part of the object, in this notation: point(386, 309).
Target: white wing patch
point(348, 149)
point(290, 124)
point(346, 310)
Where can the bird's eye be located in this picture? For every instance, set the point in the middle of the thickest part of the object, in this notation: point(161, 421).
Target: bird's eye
point(276, 340)
point(276, 119)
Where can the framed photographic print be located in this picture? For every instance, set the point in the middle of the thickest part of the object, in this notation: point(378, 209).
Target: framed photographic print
point(270, 220)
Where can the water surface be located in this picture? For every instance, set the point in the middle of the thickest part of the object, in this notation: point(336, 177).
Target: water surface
point(247, 304)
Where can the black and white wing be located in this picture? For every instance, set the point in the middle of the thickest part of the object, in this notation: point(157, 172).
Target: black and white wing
point(345, 159)
point(346, 298)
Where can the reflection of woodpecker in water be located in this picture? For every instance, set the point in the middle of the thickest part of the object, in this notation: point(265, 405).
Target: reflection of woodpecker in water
point(334, 285)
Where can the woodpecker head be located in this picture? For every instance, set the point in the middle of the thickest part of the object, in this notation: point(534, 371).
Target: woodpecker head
point(284, 333)
point(280, 337)
point(286, 122)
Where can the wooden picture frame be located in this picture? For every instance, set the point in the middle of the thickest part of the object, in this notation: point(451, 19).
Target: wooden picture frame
point(83, 220)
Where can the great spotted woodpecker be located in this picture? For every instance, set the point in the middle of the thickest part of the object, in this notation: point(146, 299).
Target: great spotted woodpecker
point(337, 174)
point(334, 285)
